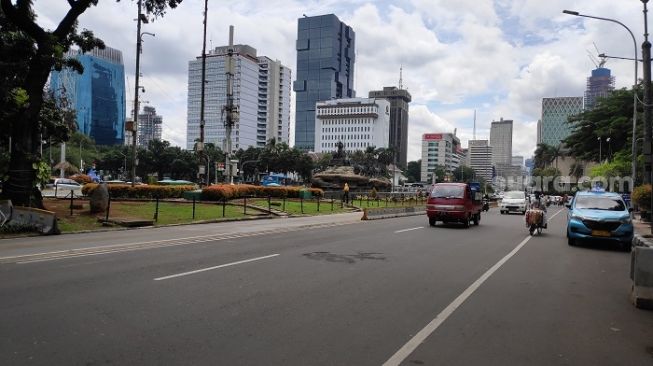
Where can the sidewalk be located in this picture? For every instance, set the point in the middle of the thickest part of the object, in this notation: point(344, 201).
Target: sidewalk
point(643, 236)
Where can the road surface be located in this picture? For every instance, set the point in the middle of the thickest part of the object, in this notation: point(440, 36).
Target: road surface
point(342, 292)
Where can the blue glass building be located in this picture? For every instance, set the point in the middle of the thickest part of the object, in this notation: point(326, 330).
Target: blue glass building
point(325, 70)
point(98, 95)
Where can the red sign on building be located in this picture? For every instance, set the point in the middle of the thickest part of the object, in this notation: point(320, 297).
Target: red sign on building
point(432, 136)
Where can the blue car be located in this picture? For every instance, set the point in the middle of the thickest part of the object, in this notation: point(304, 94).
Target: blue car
point(600, 216)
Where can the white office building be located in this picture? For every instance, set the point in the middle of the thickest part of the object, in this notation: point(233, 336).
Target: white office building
point(480, 158)
point(356, 122)
point(440, 149)
point(501, 141)
point(261, 93)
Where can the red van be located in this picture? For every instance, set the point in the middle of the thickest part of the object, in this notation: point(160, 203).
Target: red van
point(454, 202)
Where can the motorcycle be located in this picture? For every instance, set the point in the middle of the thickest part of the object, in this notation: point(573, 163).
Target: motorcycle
point(535, 221)
point(486, 205)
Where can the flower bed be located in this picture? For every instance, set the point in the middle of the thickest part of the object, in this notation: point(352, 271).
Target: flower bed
point(140, 191)
point(227, 191)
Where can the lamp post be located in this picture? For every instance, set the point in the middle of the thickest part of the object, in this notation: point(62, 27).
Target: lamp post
point(633, 170)
point(141, 18)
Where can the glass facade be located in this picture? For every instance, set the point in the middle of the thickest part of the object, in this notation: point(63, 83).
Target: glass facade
point(325, 70)
point(555, 112)
point(98, 94)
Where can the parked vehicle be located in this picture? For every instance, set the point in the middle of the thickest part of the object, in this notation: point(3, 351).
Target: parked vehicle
point(454, 202)
point(599, 216)
point(513, 201)
point(61, 187)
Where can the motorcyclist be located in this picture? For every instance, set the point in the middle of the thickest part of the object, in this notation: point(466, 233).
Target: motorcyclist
point(539, 205)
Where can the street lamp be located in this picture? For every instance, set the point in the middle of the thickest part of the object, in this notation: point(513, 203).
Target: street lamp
point(141, 18)
point(633, 170)
point(599, 138)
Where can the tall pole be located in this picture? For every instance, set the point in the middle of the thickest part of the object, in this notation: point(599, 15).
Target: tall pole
point(646, 59)
point(599, 151)
point(200, 145)
point(633, 171)
point(230, 109)
point(136, 89)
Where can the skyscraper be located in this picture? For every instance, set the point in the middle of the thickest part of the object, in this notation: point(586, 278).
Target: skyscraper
point(399, 99)
point(149, 126)
point(501, 141)
point(98, 94)
point(555, 112)
point(599, 85)
point(480, 158)
point(325, 70)
point(261, 93)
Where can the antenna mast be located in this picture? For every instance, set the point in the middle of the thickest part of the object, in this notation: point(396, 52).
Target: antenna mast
point(401, 81)
point(230, 109)
point(474, 124)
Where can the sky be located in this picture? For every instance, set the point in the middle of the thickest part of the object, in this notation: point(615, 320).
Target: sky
point(496, 57)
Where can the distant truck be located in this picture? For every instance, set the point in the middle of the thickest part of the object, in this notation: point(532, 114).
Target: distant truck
point(455, 202)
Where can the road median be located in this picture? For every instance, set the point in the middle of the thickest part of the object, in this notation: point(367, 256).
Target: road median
point(377, 213)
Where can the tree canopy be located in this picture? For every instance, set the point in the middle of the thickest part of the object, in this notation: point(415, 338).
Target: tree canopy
point(28, 54)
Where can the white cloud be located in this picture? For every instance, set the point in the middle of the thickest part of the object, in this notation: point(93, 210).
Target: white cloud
point(499, 57)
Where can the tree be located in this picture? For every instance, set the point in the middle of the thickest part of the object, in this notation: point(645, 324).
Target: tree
point(544, 155)
point(43, 51)
point(413, 171)
point(464, 174)
point(611, 117)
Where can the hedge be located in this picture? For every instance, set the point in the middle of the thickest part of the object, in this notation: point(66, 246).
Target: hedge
point(642, 196)
point(228, 191)
point(81, 178)
point(140, 191)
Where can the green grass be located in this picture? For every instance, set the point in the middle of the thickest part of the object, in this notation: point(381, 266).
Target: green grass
point(176, 213)
point(294, 206)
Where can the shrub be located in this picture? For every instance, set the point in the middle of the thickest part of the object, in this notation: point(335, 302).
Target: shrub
point(226, 191)
point(373, 193)
point(642, 196)
point(81, 178)
point(140, 191)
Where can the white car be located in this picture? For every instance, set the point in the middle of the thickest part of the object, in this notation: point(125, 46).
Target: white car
point(513, 201)
point(62, 187)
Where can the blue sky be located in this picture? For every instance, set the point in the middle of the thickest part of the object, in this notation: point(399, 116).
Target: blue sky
point(498, 57)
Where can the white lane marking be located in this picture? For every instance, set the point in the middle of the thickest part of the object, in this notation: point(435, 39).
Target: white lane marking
point(411, 229)
point(215, 267)
point(421, 336)
point(126, 247)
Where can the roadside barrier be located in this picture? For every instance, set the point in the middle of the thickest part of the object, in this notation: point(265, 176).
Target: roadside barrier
point(641, 272)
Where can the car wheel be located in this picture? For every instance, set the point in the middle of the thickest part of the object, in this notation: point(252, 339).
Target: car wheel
point(571, 241)
point(466, 222)
point(523, 212)
point(432, 221)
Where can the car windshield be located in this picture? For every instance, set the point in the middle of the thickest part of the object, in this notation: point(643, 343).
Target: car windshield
point(448, 192)
point(513, 195)
point(600, 203)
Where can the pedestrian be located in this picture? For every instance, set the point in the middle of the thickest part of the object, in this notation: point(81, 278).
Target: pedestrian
point(346, 193)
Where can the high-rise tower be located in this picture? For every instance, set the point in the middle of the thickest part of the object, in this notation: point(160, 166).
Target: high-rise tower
point(553, 126)
point(501, 141)
point(98, 94)
point(262, 96)
point(325, 70)
point(399, 100)
point(599, 85)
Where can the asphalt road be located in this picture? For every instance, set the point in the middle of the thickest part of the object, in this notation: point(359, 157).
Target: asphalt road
point(344, 293)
